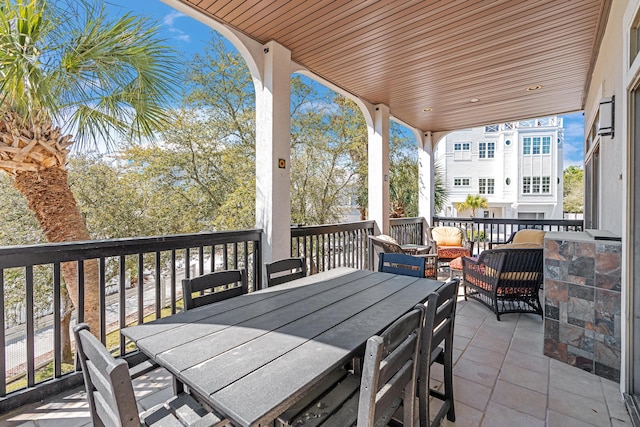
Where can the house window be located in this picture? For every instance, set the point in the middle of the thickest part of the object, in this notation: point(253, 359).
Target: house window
point(526, 184)
point(486, 150)
point(461, 182)
point(535, 186)
point(486, 185)
point(491, 128)
point(536, 145)
point(462, 151)
point(546, 184)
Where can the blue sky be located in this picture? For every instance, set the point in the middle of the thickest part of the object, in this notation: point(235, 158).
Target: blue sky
point(188, 36)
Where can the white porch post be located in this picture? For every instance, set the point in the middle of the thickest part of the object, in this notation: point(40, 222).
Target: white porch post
point(426, 178)
point(379, 168)
point(273, 212)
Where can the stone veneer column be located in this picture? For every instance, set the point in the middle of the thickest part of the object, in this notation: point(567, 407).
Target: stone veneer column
point(582, 297)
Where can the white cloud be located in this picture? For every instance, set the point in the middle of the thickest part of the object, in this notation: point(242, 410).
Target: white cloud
point(171, 17)
point(178, 34)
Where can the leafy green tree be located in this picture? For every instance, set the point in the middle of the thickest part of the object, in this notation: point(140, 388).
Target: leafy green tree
point(573, 190)
point(472, 203)
point(68, 62)
point(326, 130)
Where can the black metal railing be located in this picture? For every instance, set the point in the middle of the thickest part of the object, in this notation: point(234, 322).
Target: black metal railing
point(336, 245)
point(139, 280)
point(483, 231)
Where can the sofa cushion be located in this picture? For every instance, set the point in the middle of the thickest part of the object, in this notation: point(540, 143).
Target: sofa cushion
point(529, 236)
point(447, 236)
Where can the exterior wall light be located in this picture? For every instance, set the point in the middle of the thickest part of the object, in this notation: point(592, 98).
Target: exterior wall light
point(607, 116)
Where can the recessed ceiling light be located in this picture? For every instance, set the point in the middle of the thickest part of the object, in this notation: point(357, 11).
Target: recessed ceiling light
point(427, 109)
point(532, 88)
point(474, 100)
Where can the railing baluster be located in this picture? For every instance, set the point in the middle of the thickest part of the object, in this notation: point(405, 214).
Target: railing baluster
point(200, 260)
point(3, 355)
point(80, 314)
point(172, 292)
point(57, 338)
point(159, 281)
point(140, 288)
point(235, 255)
point(122, 313)
point(102, 301)
point(187, 264)
point(31, 375)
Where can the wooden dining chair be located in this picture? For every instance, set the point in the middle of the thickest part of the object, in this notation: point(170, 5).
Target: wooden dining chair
point(285, 270)
point(388, 382)
point(111, 398)
point(437, 347)
point(210, 287)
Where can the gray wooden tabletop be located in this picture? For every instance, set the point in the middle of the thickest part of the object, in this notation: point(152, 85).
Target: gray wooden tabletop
point(253, 356)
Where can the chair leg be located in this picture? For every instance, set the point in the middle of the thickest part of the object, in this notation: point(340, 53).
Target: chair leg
point(448, 381)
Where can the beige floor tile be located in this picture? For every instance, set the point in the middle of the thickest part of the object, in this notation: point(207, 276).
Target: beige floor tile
point(575, 382)
point(490, 343)
point(484, 356)
point(619, 423)
point(534, 362)
point(523, 377)
point(461, 342)
point(579, 407)
point(465, 331)
point(520, 399)
point(466, 416)
point(556, 419)
point(528, 346)
point(476, 372)
point(501, 416)
point(472, 394)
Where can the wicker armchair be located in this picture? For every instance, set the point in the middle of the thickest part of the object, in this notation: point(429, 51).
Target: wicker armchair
point(505, 280)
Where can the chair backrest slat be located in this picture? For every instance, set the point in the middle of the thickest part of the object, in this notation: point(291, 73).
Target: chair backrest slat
point(389, 370)
point(438, 329)
point(207, 284)
point(285, 270)
point(406, 265)
point(107, 380)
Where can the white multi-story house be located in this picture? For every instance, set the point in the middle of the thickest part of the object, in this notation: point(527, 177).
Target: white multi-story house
point(517, 166)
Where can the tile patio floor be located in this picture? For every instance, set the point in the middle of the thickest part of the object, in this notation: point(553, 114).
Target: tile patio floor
point(501, 380)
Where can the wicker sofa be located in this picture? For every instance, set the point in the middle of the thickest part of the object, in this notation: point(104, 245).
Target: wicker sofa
point(505, 280)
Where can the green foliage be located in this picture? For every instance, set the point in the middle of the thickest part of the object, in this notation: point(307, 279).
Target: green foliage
point(19, 225)
point(472, 203)
point(53, 54)
point(573, 190)
point(403, 173)
point(441, 194)
point(327, 140)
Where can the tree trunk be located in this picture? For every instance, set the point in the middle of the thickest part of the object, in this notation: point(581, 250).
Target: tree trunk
point(65, 327)
point(49, 197)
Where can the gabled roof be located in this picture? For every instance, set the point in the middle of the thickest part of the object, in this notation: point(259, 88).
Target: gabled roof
point(439, 55)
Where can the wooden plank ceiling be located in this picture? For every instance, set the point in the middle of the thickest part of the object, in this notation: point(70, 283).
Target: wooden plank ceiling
point(427, 60)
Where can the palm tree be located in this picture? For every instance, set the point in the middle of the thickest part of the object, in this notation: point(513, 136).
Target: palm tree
point(65, 67)
point(472, 203)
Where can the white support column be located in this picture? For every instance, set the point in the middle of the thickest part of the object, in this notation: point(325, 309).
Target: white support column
point(379, 168)
point(426, 178)
point(273, 149)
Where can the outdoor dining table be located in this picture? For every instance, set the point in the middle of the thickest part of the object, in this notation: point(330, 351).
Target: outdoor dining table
point(251, 357)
